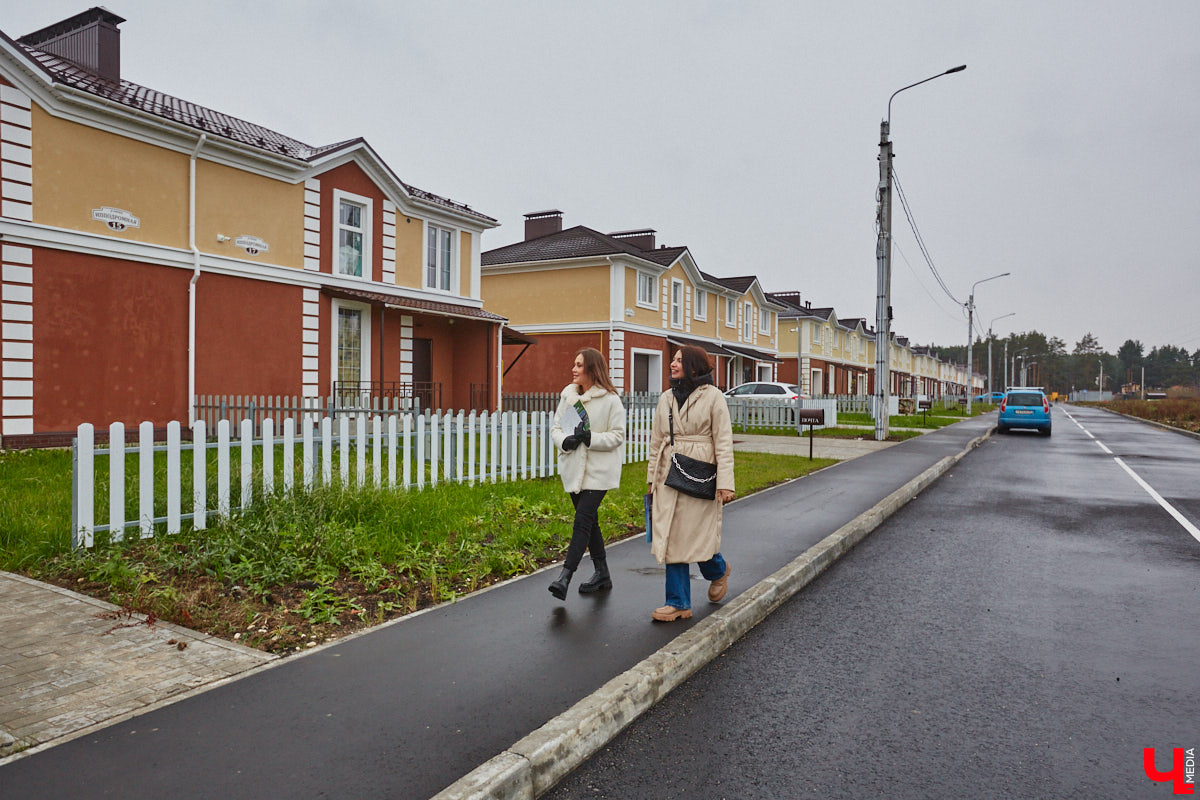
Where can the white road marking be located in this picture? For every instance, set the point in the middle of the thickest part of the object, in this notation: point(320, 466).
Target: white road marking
point(1182, 520)
point(1102, 447)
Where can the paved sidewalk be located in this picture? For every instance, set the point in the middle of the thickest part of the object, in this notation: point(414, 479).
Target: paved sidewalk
point(822, 446)
point(407, 708)
point(69, 662)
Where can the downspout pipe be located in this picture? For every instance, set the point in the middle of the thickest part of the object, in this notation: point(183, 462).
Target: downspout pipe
point(191, 395)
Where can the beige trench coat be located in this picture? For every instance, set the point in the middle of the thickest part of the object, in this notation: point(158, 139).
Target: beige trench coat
point(687, 529)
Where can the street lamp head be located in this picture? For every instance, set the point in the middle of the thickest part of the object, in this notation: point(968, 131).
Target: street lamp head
point(959, 68)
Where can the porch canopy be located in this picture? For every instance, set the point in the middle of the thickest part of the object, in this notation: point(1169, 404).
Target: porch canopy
point(753, 353)
point(709, 347)
point(399, 301)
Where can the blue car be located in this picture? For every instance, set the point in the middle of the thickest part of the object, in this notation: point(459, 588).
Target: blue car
point(1024, 408)
point(993, 398)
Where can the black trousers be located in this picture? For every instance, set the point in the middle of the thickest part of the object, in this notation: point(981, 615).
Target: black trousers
point(585, 533)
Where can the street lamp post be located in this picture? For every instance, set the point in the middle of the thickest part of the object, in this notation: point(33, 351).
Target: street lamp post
point(990, 324)
point(1012, 366)
point(883, 259)
point(971, 330)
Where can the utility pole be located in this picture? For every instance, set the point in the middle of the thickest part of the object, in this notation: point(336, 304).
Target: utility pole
point(883, 268)
point(971, 331)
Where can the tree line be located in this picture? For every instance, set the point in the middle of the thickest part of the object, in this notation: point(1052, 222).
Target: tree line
point(1035, 359)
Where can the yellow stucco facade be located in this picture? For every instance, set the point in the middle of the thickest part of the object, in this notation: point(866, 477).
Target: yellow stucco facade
point(549, 296)
point(78, 169)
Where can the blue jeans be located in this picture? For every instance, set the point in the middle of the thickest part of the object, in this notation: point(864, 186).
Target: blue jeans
point(679, 582)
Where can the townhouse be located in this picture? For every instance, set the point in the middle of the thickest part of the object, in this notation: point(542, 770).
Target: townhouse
point(826, 355)
point(630, 298)
point(154, 250)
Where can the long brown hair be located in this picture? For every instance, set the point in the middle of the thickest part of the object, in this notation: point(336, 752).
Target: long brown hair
point(596, 368)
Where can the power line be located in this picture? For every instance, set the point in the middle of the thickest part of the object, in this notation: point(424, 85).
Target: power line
point(912, 223)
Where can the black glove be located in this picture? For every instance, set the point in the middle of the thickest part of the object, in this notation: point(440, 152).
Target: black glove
point(584, 437)
point(570, 443)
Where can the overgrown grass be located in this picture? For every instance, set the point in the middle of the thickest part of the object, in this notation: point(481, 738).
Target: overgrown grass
point(1180, 412)
point(300, 567)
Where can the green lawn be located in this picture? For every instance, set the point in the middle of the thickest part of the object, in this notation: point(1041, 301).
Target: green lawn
point(300, 567)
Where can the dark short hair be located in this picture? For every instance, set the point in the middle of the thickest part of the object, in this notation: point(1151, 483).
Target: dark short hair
point(695, 361)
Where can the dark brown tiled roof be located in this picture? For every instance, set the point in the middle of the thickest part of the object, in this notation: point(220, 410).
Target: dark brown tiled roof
point(577, 242)
point(739, 284)
point(430, 306)
point(150, 101)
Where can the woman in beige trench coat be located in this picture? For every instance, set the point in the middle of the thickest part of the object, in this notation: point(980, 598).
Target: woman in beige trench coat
point(687, 529)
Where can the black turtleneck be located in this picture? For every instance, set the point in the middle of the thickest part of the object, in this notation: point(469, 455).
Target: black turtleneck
point(682, 388)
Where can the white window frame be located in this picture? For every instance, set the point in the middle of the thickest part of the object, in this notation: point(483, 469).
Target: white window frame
point(700, 305)
point(817, 337)
point(764, 322)
point(748, 322)
point(730, 312)
point(650, 282)
point(451, 271)
point(765, 373)
point(676, 303)
point(367, 231)
point(365, 334)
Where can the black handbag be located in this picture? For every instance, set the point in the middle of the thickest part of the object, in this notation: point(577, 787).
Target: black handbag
point(689, 475)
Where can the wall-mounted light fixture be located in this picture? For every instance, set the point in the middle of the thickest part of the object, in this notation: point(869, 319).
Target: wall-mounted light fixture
point(222, 238)
point(629, 312)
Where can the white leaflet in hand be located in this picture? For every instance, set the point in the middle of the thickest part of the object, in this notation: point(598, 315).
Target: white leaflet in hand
point(569, 420)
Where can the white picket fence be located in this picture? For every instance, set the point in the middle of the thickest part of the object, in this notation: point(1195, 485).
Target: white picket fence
point(397, 451)
point(751, 413)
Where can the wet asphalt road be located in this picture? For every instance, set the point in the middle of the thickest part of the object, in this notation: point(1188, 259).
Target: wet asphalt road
point(1023, 629)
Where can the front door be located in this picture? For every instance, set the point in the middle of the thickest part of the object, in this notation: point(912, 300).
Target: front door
point(422, 374)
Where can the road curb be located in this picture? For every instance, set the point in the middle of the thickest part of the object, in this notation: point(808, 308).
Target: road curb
point(534, 764)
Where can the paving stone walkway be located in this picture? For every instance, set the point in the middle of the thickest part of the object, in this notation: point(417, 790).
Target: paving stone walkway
point(70, 662)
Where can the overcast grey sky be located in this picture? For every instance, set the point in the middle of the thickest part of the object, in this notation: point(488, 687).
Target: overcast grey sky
point(1066, 153)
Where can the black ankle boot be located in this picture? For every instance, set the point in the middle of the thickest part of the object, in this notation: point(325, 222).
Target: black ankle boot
point(559, 587)
point(600, 579)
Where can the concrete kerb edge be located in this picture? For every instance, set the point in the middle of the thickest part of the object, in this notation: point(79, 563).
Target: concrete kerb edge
point(535, 763)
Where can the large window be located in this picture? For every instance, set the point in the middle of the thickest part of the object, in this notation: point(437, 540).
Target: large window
point(730, 312)
point(352, 234)
point(676, 304)
point(701, 309)
point(439, 255)
point(764, 322)
point(748, 323)
point(645, 290)
point(351, 345)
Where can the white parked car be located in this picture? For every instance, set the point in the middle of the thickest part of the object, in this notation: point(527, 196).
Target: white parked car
point(766, 390)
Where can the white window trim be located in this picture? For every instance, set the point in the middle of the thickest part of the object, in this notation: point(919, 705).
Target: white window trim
point(700, 309)
point(365, 359)
point(652, 304)
point(747, 322)
point(764, 322)
point(731, 319)
point(368, 232)
point(676, 307)
point(455, 257)
point(655, 372)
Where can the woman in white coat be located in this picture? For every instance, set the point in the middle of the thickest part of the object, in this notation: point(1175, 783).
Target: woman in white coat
point(687, 529)
point(589, 462)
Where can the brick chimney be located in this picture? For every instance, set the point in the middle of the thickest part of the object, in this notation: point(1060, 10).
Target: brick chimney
point(542, 223)
point(642, 238)
point(89, 40)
